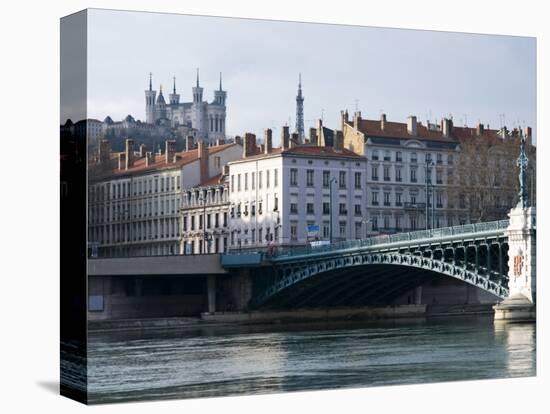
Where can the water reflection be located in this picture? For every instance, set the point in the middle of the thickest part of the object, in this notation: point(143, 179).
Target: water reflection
point(261, 359)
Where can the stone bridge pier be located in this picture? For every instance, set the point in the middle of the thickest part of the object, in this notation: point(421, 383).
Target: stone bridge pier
point(520, 305)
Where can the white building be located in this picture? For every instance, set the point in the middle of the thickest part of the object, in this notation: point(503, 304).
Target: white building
point(207, 118)
point(277, 194)
point(205, 216)
point(134, 197)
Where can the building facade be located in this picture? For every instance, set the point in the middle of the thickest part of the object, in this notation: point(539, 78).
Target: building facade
point(282, 196)
point(412, 171)
point(207, 118)
point(204, 217)
point(135, 196)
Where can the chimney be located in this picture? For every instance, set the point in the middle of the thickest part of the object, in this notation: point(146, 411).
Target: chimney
point(170, 151)
point(249, 147)
point(382, 121)
point(149, 158)
point(338, 140)
point(294, 140)
point(446, 127)
point(313, 136)
point(142, 150)
point(129, 150)
point(268, 140)
point(104, 151)
point(202, 154)
point(357, 120)
point(285, 138)
point(320, 136)
point(411, 125)
point(344, 118)
point(122, 161)
point(480, 129)
point(189, 142)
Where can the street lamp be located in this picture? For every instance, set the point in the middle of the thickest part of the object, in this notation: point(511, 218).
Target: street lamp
point(332, 180)
point(429, 163)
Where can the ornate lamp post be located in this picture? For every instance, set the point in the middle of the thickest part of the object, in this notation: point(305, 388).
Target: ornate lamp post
point(522, 163)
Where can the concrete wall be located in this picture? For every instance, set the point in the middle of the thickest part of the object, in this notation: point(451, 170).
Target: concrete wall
point(157, 265)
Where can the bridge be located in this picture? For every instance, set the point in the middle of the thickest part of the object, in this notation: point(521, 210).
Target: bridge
point(496, 257)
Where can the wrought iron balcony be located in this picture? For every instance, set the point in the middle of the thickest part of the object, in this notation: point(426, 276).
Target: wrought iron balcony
point(414, 206)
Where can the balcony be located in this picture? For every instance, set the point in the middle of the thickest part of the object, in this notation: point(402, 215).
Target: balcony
point(374, 203)
point(414, 206)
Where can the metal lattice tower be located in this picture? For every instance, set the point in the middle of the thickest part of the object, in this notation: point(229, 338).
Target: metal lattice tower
point(300, 111)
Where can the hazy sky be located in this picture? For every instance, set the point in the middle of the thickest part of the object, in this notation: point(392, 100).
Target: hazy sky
point(400, 72)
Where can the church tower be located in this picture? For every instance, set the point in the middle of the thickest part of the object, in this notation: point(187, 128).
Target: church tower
point(150, 95)
point(197, 91)
point(174, 97)
point(220, 95)
point(197, 113)
point(161, 105)
point(300, 111)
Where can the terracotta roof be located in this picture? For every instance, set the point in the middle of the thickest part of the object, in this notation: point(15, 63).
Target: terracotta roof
point(182, 158)
point(305, 150)
point(399, 130)
point(217, 179)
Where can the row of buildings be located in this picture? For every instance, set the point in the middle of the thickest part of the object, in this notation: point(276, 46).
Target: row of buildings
point(365, 178)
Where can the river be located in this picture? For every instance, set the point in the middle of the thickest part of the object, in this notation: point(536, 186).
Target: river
point(215, 361)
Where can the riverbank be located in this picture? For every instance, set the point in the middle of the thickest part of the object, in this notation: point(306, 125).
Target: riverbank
point(289, 317)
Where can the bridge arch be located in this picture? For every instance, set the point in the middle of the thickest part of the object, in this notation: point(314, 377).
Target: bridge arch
point(409, 265)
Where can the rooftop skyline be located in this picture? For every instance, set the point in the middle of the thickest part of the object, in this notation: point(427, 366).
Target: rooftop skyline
point(473, 78)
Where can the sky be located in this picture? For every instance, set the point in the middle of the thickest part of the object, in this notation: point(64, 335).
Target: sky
point(473, 78)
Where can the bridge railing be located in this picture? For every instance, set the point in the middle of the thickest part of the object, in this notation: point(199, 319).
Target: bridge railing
point(394, 238)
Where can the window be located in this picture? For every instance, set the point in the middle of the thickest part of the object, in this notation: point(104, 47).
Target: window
point(342, 229)
point(238, 182)
point(275, 178)
point(439, 176)
point(439, 158)
point(374, 220)
point(293, 230)
point(386, 198)
point(374, 173)
point(414, 158)
point(293, 208)
point(245, 181)
point(413, 175)
point(386, 222)
point(413, 223)
point(462, 201)
point(326, 208)
point(439, 199)
point(398, 199)
point(275, 203)
point(342, 181)
point(398, 156)
point(326, 230)
point(326, 178)
point(309, 208)
point(267, 179)
point(397, 223)
point(428, 157)
point(375, 198)
point(358, 229)
point(342, 210)
point(375, 154)
point(252, 181)
point(259, 179)
point(450, 159)
point(293, 176)
point(309, 178)
point(386, 173)
point(387, 156)
point(358, 180)
point(357, 209)
point(413, 199)
point(398, 177)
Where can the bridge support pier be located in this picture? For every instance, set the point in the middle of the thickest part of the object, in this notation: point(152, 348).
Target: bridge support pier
point(521, 304)
point(211, 284)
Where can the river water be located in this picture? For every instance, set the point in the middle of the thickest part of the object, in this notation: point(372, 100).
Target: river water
point(215, 361)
